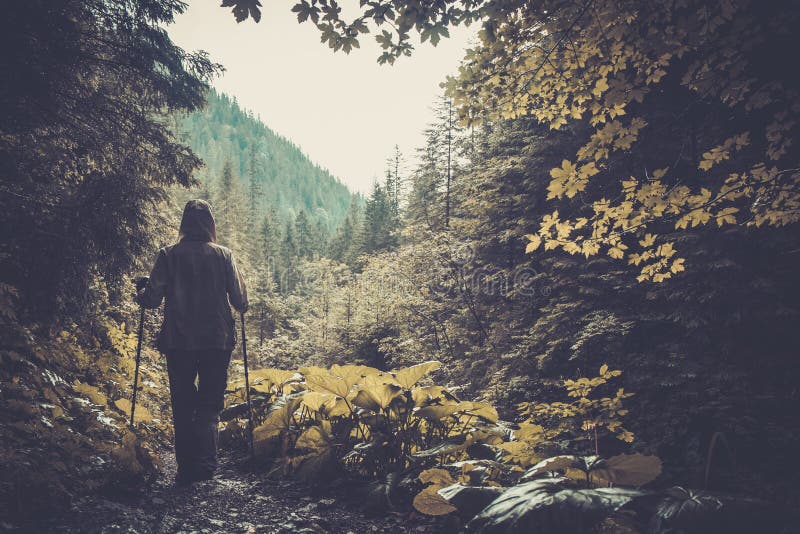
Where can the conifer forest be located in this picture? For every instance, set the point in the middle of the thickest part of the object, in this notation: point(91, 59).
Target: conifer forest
point(573, 309)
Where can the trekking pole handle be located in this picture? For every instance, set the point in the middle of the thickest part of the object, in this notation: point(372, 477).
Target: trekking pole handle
point(141, 282)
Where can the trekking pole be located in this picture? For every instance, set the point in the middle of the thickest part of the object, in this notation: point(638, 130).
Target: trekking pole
point(247, 388)
point(140, 284)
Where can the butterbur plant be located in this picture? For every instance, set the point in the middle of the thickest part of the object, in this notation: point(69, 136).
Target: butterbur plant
point(363, 420)
point(588, 416)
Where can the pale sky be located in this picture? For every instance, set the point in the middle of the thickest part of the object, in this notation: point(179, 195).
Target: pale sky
point(345, 111)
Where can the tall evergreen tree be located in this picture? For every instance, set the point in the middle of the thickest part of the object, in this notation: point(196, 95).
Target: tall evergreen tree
point(230, 212)
point(304, 238)
point(289, 272)
point(346, 242)
point(394, 179)
point(87, 84)
point(431, 200)
point(380, 222)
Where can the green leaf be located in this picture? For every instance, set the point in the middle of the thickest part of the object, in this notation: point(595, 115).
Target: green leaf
point(470, 500)
point(549, 505)
point(409, 376)
point(448, 446)
point(377, 397)
point(556, 463)
point(687, 510)
point(628, 470)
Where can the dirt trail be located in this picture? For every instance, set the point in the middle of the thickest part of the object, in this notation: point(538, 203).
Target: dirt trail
point(236, 501)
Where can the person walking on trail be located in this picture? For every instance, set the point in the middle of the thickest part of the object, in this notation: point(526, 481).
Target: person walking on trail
point(200, 282)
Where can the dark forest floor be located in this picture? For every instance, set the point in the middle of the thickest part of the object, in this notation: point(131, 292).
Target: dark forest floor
point(238, 500)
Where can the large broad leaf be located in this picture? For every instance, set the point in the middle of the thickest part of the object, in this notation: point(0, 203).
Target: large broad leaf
point(422, 396)
point(695, 512)
point(274, 376)
point(377, 397)
point(429, 502)
point(549, 505)
point(317, 441)
point(408, 376)
point(449, 446)
point(470, 500)
point(315, 400)
point(437, 412)
point(278, 422)
point(554, 463)
point(470, 410)
point(316, 437)
point(529, 432)
point(627, 470)
point(353, 372)
point(436, 476)
point(484, 411)
point(327, 383)
point(313, 370)
point(337, 407)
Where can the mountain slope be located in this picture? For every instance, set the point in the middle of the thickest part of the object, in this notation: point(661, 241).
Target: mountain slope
point(288, 179)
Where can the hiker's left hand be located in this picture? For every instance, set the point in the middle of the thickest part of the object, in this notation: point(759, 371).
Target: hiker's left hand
point(137, 296)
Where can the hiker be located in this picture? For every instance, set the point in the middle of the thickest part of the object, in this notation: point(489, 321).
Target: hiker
point(199, 281)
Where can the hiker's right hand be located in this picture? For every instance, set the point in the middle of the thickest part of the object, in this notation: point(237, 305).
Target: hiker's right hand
point(141, 283)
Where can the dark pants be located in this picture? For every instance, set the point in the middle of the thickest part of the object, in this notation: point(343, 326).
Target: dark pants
point(195, 409)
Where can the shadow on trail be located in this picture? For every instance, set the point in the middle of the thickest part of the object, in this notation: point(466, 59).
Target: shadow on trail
point(238, 500)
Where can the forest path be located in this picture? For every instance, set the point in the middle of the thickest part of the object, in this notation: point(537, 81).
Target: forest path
point(238, 500)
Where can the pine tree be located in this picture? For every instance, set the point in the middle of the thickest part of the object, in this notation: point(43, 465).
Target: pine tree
point(289, 271)
point(304, 238)
point(394, 166)
point(380, 222)
point(254, 190)
point(230, 213)
point(431, 200)
point(346, 242)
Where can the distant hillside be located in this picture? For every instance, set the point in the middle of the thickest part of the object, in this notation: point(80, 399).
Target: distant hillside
point(289, 180)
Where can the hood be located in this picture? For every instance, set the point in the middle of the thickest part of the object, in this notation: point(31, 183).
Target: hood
point(197, 223)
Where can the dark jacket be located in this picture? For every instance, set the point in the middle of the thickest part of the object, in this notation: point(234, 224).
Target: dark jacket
point(200, 282)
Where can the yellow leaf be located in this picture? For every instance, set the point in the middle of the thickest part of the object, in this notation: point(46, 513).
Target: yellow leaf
point(600, 87)
point(588, 170)
point(429, 502)
point(276, 423)
point(629, 470)
point(316, 437)
point(590, 248)
point(529, 432)
point(328, 384)
point(409, 376)
point(424, 395)
point(533, 244)
point(603, 369)
point(616, 253)
point(377, 397)
point(142, 414)
point(315, 400)
point(91, 392)
point(726, 215)
point(436, 476)
point(648, 241)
